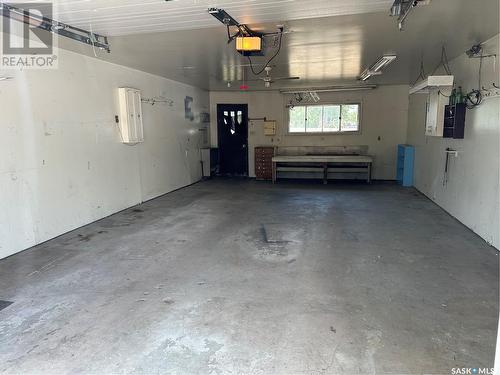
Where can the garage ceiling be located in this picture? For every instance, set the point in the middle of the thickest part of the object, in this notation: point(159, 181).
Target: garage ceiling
point(125, 17)
point(322, 51)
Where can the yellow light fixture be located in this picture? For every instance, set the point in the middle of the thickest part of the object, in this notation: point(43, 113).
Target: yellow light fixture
point(248, 43)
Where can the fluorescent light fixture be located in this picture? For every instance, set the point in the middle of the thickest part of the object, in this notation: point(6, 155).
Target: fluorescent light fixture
point(328, 89)
point(368, 74)
point(376, 69)
point(383, 62)
point(314, 96)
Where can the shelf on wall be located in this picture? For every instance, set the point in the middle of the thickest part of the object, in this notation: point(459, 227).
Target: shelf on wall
point(432, 82)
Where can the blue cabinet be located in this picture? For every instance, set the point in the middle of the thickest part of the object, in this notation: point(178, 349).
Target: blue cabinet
point(406, 156)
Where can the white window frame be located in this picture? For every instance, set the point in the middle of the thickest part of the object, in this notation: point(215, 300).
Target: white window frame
point(321, 133)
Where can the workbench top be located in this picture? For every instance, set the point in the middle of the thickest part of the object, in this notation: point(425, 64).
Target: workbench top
point(323, 159)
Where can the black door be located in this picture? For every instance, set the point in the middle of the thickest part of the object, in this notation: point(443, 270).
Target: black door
point(232, 128)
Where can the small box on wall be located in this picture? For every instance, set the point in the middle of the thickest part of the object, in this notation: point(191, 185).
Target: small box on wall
point(204, 117)
point(269, 127)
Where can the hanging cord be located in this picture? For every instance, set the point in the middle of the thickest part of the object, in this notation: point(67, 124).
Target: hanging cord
point(270, 60)
point(443, 62)
point(480, 70)
point(441, 93)
point(421, 75)
point(447, 65)
point(475, 97)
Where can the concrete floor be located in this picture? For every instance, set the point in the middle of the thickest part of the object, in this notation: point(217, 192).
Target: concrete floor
point(245, 277)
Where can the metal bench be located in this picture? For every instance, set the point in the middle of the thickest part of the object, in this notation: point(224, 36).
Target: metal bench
point(323, 163)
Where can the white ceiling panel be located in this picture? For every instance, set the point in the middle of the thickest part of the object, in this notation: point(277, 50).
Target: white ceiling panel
point(331, 49)
point(124, 17)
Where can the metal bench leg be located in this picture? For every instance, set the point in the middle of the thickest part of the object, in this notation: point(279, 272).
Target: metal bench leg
point(325, 173)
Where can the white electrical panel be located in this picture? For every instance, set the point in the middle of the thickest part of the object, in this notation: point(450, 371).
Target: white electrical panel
point(436, 102)
point(130, 119)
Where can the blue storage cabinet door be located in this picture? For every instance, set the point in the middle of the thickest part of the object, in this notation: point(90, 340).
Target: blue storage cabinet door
point(406, 157)
point(400, 164)
point(409, 159)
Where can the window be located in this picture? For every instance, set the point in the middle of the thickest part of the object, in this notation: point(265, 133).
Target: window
point(335, 118)
point(233, 119)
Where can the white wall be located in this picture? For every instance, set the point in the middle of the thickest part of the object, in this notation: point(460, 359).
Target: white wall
point(472, 192)
point(384, 114)
point(61, 161)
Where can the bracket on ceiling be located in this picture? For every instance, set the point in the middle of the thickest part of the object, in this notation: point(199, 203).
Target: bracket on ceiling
point(55, 27)
point(402, 9)
point(226, 19)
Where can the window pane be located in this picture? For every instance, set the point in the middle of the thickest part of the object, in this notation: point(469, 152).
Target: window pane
point(297, 120)
point(314, 119)
point(331, 118)
point(350, 118)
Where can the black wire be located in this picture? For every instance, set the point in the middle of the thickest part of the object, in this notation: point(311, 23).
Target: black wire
point(480, 71)
point(270, 60)
point(473, 99)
